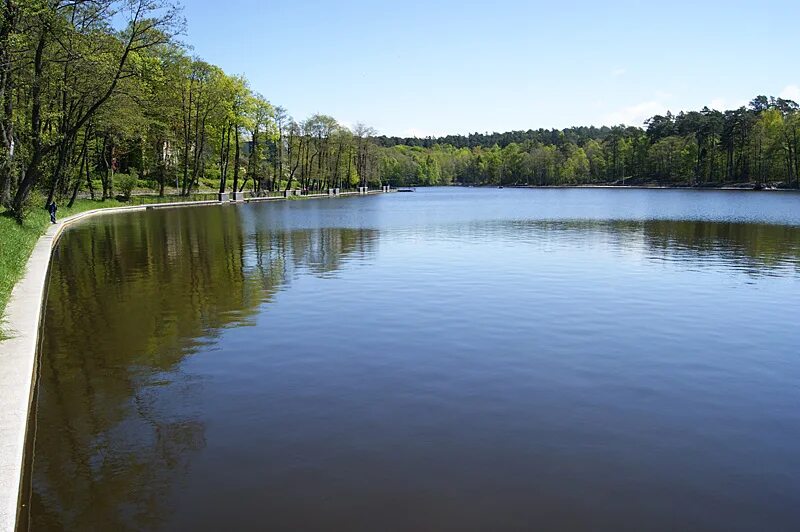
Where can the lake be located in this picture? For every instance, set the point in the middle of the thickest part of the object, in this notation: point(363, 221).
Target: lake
point(450, 359)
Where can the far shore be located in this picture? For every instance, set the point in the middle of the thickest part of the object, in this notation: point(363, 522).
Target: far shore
point(744, 187)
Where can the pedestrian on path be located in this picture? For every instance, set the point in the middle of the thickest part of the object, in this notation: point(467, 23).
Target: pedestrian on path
point(52, 208)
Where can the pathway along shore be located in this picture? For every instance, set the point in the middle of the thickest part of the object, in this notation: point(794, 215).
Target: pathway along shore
point(18, 352)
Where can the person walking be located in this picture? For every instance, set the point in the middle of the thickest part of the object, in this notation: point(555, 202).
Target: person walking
point(52, 208)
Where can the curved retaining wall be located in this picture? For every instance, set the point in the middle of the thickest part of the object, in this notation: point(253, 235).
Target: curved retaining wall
point(21, 323)
point(18, 352)
point(18, 356)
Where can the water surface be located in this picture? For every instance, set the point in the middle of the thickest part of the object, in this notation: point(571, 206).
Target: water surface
point(452, 359)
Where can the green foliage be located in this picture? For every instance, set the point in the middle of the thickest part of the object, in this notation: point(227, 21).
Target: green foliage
point(126, 183)
point(140, 104)
point(758, 144)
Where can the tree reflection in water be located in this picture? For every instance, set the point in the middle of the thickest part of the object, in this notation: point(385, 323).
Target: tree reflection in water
point(115, 423)
point(119, 418)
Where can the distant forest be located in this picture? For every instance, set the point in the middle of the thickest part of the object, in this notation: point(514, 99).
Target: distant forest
point(757, 144)
point(100, 98)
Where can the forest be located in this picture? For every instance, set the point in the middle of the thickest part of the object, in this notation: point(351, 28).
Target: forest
point(101, 99)
point(755, 145)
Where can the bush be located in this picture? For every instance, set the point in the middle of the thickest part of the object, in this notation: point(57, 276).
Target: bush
point(127, 182)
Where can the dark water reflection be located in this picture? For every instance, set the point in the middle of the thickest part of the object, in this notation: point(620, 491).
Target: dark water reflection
point(129, 298)
point(443, 360)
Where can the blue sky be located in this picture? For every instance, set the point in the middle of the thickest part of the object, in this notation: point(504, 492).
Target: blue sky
point(436, 67)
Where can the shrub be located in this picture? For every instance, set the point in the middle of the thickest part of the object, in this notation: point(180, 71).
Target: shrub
point(127, 182)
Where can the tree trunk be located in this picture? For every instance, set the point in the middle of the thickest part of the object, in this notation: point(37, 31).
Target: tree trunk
point(105, 177)
point(76, 187)
point(223, 163)
point(6, 98)
point(59, 171)
point(236, 160)
point(187, 135)
point(279, 175)
point(89, 183)
point(796, 157)
point(335, 178)
point(349, 167)
point(74, 193)
point(161, 168)
point(33, 170)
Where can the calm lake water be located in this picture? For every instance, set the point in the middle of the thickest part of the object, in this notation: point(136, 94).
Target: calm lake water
point(451, 359)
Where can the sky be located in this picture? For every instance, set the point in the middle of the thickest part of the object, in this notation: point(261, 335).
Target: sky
point(431, 68)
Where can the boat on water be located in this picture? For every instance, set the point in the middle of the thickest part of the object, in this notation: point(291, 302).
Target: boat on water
point(406, 190)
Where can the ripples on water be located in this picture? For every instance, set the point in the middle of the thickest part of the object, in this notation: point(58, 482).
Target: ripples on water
point(450, 359)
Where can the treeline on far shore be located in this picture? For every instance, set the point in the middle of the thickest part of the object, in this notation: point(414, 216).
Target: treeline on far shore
point(101, 98)
point(757, 144)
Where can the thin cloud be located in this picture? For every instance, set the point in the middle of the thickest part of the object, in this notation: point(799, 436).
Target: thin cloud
point(617, 72)
point(791, 92)
point(635, 115)
point(723, 104)
point(718, 103)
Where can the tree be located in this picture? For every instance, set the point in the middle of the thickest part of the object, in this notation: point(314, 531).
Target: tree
point(69, 36)
point(364, 154)
point(791, 143)
point(9, 18)
point(260, 124)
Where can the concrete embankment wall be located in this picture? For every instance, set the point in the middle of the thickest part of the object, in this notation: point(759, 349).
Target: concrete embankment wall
point(18, 352)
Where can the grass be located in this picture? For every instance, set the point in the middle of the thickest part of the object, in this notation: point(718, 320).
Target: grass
point(17, 242)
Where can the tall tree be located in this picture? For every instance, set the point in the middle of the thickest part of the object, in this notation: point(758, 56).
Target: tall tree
point(68, 36)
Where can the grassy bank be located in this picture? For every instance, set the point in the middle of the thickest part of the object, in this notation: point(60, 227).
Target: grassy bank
point(17, 242)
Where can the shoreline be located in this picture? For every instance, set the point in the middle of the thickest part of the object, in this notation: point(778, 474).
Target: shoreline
point(19, 349)
point(637, 187)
